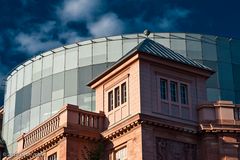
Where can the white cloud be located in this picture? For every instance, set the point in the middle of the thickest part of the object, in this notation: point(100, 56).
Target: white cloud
point(70, 36)
point(77, 10)
point(108, 24)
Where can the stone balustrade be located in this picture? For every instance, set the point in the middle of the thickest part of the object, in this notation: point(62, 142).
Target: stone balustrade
point(69, 115)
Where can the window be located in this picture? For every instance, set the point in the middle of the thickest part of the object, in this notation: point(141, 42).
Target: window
point(237, 113)
point(110, 100)
point(121, 154)
point(173, 89)
point(53, 156)
point(117, 96)
point(184, 93)
point(163, 88)
point(124, 93)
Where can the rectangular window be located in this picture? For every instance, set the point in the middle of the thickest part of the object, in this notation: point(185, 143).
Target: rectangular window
point(117, 96)
point(173, 89)
point(110, 100)
point(123, 93)
point(121, 154)
point(237, 113)
point(53, 156)
point(184, 93)
point(163, 89)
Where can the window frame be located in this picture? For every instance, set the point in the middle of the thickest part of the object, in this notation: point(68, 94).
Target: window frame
point(110, 100)
point(52, 156)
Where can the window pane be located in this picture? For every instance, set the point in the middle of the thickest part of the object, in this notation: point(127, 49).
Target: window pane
point(36, 93)
point(117, 96)
point(19, 102)
point(8, 89)
point(235, 50)
point(213, 94)
point(28, 74)
point(85, 55)
point(37, 69)
point(58, 62)
point(20, 78)
point(114, 50)
point(71, 82)
point(99, 52)
point(71, 100)
point(212, 82)
point(98, 69)
point(124, 93)
point(17, 123)
point(58, 86)
point(34, 116)
point(46, 94)
point(27, 93)
point(129, 43)
point(236, 77)
point(12, 106)
point(10, 131)
point(110, 100)
point(71, 58)
point(47, 65)
point(45, 111)
point(173, 89)
point(163, 88)
point(121, 154)
point(184, 93)
point(225, 76)
point(223, 49)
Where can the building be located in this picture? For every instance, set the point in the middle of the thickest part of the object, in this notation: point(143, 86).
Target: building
point(39, 87)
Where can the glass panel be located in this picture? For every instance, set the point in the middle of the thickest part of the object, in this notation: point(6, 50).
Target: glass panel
point(6, 111)
point(71, 58)
point(58, 86)
point(57, 105)
point(212, 82)
point(8, 89)
point(19, 102)
point(85, 55)
point(194, 46)
point(28, 74)
point(235, 50)
point(178, 43)
point(25, 121)
point(225, 75)
point(173, 91)
point(36, 93)
point(20, 78)
point(128, 44)
point(71, 100)
point(110, 101)
point(5, 131)
point(99, 52)
point(223, 50)
point(213, 94)
point(236, 77)
point(13, 83)
point(37, 69)
point(46, 94)
point(93, 101)
point(45, 111)
point(47, 65)
point(209, 48)
point(98, 69)
point(114, 50)
point(71, 82)
point(84, 76)
point(27, 93)
point(12, 106)
point(163, 88)
point(228, 95)
point(162, 38)
point(34, 117)
point(237, 97)
point(84, 101)
point(58, 62)
point(117, 96)
point(10, 131)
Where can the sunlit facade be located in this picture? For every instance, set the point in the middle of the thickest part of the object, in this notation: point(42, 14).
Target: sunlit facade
point(37, 89)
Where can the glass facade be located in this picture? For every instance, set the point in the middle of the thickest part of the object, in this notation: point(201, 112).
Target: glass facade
point(39, 87)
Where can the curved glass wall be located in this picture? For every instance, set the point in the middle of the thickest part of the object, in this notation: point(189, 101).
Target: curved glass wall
point(39, 87)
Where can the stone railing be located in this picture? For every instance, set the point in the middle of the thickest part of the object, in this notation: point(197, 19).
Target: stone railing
point(218, 115)
point(69, 115)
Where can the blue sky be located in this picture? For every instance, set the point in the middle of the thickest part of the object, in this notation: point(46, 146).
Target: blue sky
point(29, 27)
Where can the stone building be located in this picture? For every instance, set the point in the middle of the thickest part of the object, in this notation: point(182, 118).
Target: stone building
point(151, 104)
